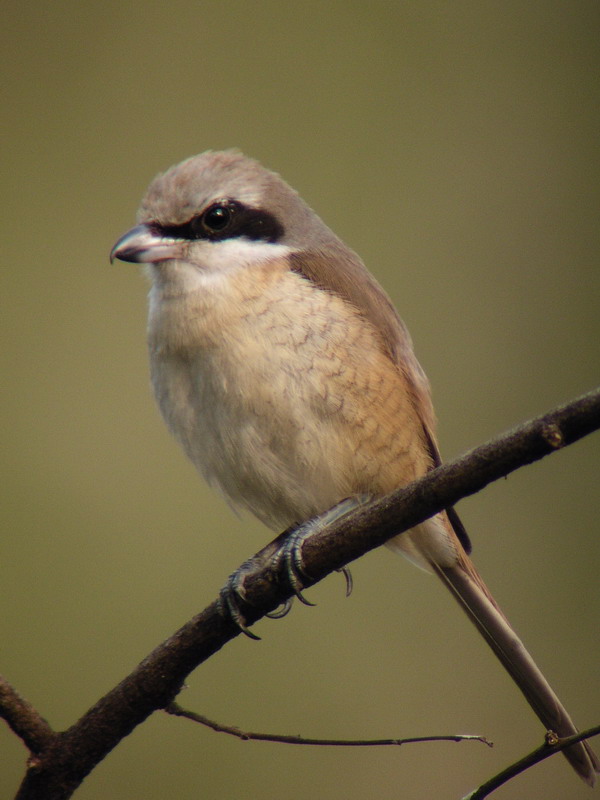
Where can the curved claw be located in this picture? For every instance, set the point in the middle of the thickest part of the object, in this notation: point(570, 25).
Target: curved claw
point(292, 556)
point(229, 601)
point(303, 599)
point(281, 612)
point(233, 612)
point(349, 582)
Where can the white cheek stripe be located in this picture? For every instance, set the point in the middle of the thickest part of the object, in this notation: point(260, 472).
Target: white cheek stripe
point(210, 263)
point(234, 253)
point(218, 260)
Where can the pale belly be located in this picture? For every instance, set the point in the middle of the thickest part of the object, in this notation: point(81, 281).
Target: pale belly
point(286, 413)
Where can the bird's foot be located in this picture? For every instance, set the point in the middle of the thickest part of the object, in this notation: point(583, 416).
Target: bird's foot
point(289, 563)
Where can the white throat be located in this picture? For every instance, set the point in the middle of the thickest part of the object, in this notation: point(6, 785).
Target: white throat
point(211, 263)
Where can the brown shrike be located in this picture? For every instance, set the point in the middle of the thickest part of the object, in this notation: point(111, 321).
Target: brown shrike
point(282, 368)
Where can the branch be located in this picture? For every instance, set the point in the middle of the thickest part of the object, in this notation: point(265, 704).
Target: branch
point(178, 711)
point(551, 746)
point(71, 755)
point(23, 719)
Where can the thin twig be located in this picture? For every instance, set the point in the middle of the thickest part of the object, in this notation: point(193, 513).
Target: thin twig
point(551, 746)
point(178, 711)
point(23, 719)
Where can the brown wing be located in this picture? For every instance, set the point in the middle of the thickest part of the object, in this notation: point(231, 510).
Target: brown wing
point(338, 269)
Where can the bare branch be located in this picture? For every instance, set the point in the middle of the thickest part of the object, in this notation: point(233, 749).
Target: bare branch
point(178, 711)
point(551, 746)
point(23, 719)
point(70, 756)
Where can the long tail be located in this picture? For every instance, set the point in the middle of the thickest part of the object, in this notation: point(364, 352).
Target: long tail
point(471, 592)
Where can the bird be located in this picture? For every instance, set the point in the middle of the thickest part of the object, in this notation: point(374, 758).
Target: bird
point(284, 371)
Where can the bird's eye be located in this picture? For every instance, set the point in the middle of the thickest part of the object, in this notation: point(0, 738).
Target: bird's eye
point(216, 218)
point(224, 219)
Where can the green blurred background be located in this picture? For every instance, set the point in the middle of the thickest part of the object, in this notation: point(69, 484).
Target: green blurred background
point(455, 147)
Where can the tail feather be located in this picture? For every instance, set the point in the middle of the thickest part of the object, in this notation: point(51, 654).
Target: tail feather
point(469, 589)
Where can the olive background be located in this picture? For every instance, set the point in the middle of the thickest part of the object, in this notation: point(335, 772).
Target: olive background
point(455, 147)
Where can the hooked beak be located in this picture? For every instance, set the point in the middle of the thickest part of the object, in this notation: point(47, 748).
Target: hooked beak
point(144, 245)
